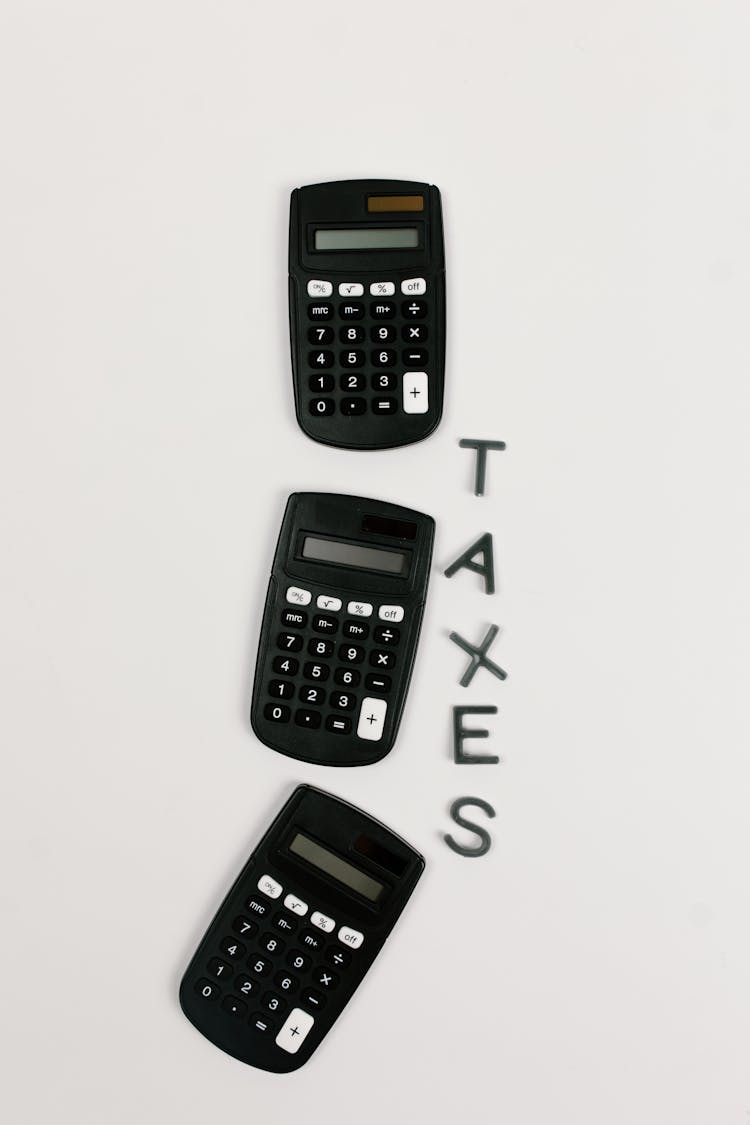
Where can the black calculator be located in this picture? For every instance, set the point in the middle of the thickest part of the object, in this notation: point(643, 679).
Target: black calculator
point(367, 311)
point(340, 627)
point(297, 932)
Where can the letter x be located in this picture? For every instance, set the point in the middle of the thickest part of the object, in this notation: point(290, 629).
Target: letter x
point(479, 658)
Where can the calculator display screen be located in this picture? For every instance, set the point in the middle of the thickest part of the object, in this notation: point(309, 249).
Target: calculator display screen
point(335, 866)
point(353, 554)
point(367, 238)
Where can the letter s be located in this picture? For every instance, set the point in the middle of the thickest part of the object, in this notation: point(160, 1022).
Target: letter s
point(485, 839)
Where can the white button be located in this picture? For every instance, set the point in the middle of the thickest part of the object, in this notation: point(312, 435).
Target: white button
point(414, 286)
point(382, 289)
point(391, 613)
point(352, 938)
point(351, 289)
point(416, 397)
point(322, 921)
point(296, 905)
point(269, 886)
point(297, 596)
point(319, 288)
point(326, 602)
point(359, 609)
point(372, 719)
point(295, 1031)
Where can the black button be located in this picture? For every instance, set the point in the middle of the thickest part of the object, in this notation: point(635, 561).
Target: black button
point(294, 618)
point(246, 985)
point(244, 927)
point(351, 359)
point(316, 671)
point(274, 1003)
point(320, 648)
point(338, 724)
point(387, 635)
point(311, 940)
point(351, 310)
point(312, 1000)
point(272, 944)
point(257, 909)
point(286, 982)
point(289, 642)
point(383, 334)
point(347, 677)
point(314, 696)
point(309, 719)
point(320, 336)
point(232, 948)
point(322, 406)
point(352, 334)
point(234, 1006)
point(383, 381)
point(325, 978)
point(352, 406)
point(385, 357)
point(414, 310)
point(299, 961)
point(343, 700)
point(261, 966)
point(207, 989)
point(284, 923)
point(320, 312)
point(378, 683)
point(352, 654)
point(276, 713)
point(262, 1024)
point(414, 357)
point(338, 957)
point(219, 969)
point(414, 333)
point(380, 659)
point(352, 382)
point(383, 310)
point(356, 630)
point(280, 689)
point(322, 384)
point(322, 623)
point(384, 406)
point(320, 359)
point(285, 665)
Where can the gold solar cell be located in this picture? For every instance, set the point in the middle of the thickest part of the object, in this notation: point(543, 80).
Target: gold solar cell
point(395, 203)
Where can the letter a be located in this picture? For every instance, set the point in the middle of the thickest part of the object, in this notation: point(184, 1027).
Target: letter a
point(482, 546)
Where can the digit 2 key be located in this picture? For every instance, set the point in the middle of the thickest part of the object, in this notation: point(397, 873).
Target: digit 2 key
point(340, 627)
point(297, 932)
point(367, 311)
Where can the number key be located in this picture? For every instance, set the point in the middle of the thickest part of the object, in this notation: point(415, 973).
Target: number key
point(273, 1002)
point(299, 961)
point(218, 968)
point(206, 989)
point(314, 696)
point(322, 407)
point(384, 358)
point(261, 966)
point(320, 335)
point(232, 948)
point(383, 381)
point(352, 654)
point(285, 665)
point(322, 359)
point(271, 943)
point(286, 982)
point(280, 689)
point(383, 334)
point(352, 382)
point(319, 648)
point(321, 383)
point(276, 713)
point(246, 985)
point(347, 677)
point(352, 334)
point(316, 671)
point(244, 926)
point(343, 701)
point(352, 359)
point(289, 642)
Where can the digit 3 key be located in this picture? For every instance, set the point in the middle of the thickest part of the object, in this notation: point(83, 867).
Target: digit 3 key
point(367, 311)
point(340, 627)
point(297, 932)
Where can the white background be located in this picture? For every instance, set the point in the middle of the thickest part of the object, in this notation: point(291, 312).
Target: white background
point(594, 166)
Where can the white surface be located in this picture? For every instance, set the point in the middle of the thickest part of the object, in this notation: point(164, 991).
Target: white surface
point(593, 158)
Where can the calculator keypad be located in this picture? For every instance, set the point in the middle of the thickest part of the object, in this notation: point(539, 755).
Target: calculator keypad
point(283, 983)
point(382, 366)
point(344, 646)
